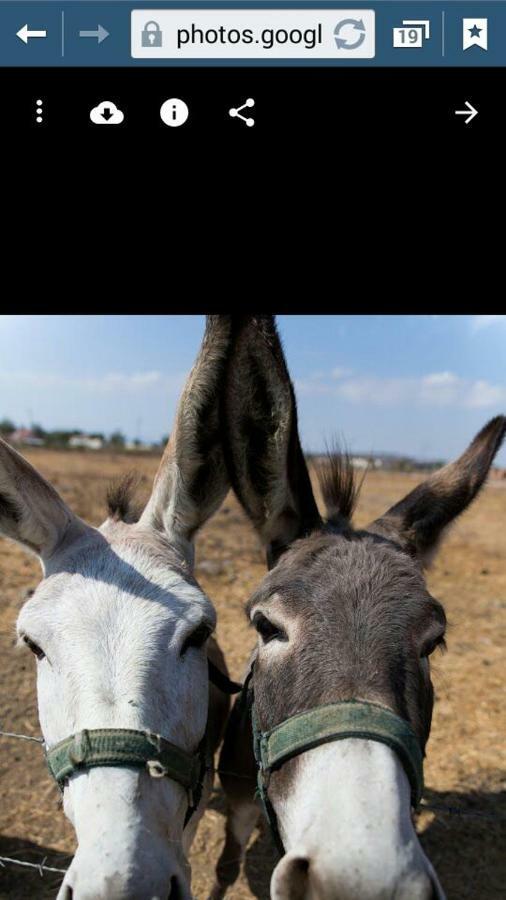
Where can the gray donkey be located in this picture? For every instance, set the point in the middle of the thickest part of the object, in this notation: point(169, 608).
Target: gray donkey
point(333, 722)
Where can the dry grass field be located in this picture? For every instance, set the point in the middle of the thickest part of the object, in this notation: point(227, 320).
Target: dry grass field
point(465, 765)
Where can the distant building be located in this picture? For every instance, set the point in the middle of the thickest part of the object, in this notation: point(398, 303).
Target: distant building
point(139, 445)
point(85, 442)
point(366, 462)
point(358, 462)
point(25, 436)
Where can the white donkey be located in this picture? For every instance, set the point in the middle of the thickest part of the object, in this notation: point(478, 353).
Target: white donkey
point(120, 628)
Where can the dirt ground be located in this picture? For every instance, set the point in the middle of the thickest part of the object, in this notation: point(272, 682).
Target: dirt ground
point(465, 764)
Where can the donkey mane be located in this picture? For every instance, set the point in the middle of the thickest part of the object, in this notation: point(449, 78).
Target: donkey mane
point(338, 486)
point(121, 505)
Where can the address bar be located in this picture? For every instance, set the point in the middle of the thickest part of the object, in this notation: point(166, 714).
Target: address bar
point(253, 34)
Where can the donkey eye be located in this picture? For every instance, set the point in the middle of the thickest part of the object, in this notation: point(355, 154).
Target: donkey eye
point(197, 638)
point(267, 630)
point(431, 646)
point(34, 647)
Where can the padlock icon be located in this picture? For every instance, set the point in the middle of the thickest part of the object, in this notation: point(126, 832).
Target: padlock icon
point(151, 35)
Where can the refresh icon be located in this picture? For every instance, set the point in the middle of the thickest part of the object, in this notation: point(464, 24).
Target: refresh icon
point(349, 34)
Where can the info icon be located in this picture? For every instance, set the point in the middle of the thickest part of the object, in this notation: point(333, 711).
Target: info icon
point(174, 112)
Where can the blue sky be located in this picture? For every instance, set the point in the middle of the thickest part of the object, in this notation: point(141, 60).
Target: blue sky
point(420, 385)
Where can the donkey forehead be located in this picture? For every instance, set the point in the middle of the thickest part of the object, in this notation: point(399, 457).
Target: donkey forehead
point(356, 571)
point(121, 569)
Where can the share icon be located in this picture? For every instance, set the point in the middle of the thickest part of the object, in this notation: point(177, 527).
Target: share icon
point(236, 113)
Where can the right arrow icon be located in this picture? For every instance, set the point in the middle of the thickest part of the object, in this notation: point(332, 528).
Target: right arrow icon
point(470, 112)
point(100, 34)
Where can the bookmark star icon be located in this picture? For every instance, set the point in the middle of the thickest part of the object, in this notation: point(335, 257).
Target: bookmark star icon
point(475, 33)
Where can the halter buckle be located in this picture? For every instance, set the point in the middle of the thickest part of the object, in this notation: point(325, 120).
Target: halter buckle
point(156, 769)
point(79, 748)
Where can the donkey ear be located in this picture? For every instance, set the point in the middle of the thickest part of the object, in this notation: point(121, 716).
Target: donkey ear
point(31, 511)
point(265, 460)
point(420, 519)
point(192, 481)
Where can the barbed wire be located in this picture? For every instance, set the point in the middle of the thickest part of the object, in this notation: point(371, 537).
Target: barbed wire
point(22, 737)
point(41, 867)
point(457, 811)
point(7, 860)
point(431, 807)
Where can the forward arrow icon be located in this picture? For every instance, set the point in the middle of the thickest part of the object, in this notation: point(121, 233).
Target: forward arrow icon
point(470, 112)
point(100, 34)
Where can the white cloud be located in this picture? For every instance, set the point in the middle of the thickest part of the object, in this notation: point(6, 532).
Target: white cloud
point(482, 393)
point(478, 323)
point(440, 379)
point(108, 383)
point(440, 388)
point(341, 372)
point(380, 391)
point(313, 386)
point(433, 389)
point(114, 380)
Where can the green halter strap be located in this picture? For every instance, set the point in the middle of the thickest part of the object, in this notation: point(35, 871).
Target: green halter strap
point(126, 747)
point(141, 749)
point(122, 747)
point(332, 722)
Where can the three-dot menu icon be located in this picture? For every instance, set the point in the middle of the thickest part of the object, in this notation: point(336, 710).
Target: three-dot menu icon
point(39, 111)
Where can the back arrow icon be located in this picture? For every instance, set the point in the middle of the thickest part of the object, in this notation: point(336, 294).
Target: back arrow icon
point(470, 112)
point(24, 34)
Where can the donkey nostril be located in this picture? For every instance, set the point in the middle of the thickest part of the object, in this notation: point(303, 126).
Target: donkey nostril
point(302, 865)
point(68, 893)
point(175, 892)
point(294, 878)
point(435, 894)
